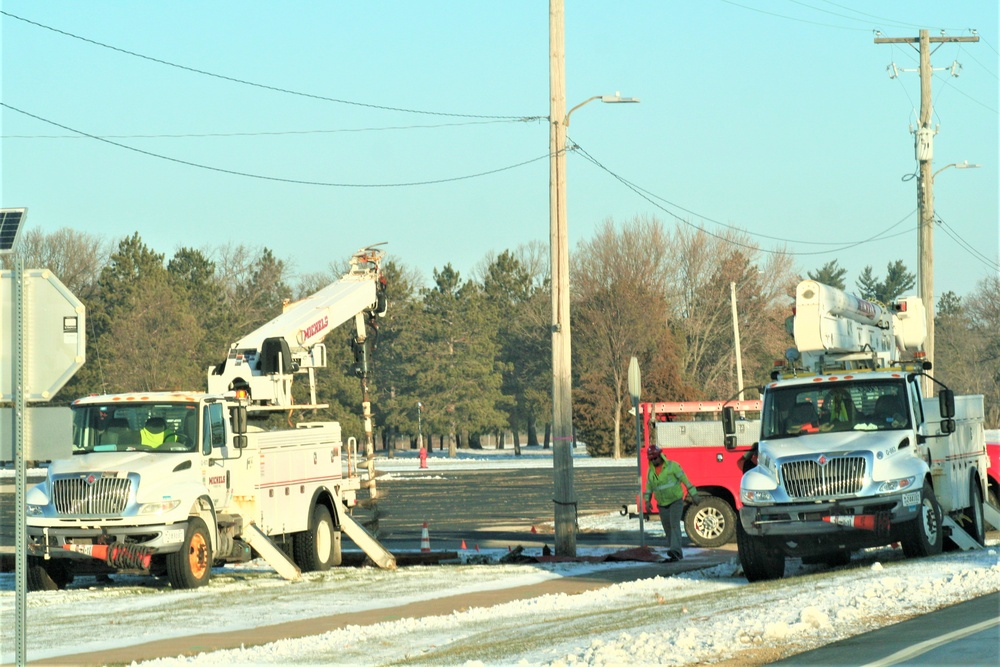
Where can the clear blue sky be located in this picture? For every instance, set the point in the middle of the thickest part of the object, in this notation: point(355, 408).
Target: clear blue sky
point(776, 117)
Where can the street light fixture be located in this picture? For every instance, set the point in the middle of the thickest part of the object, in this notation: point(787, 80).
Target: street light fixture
point(562, 401)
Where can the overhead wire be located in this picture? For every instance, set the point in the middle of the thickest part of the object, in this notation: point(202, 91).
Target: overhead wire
point(202, 135)
point(273, 178)
point(965, 245)
point(263, 86)
point(649, 197)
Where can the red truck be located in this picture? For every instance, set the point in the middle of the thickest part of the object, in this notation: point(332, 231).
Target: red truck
point(697, 444)
point(993, 472)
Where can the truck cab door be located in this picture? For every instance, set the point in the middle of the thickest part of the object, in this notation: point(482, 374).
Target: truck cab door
point(217, 476)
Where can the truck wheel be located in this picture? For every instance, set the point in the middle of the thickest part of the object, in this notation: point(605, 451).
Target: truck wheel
point(995, 502)
point(975, 523)
point(923, 536)
point(318, 548)
point(760, 561)
point(191, 567)
point(51, 575)
point(710, 522)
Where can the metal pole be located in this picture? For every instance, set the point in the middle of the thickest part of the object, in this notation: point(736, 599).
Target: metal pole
point(638, 468)
point(19, 382)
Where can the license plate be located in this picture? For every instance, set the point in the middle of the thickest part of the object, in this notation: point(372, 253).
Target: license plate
point(911, 498)
point(171, 536)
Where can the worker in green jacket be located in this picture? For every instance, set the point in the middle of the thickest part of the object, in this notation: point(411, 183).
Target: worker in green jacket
point(664, 482)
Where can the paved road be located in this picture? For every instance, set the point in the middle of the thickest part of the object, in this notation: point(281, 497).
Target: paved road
point(492, 508)
point(966, 634)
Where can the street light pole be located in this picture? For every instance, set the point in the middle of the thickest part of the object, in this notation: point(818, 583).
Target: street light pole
point(562, 400)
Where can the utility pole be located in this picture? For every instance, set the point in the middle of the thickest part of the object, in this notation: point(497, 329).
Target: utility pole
point(924, 147)
point(562, 401)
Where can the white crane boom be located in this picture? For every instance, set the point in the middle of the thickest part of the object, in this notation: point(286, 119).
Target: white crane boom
point(832, 326)
point(264, 361)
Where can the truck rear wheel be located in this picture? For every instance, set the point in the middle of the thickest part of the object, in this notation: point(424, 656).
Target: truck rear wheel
point(50, 575)
point(923, 536)
point(760, 561)
point(191, 567)
point(995, 502)
point(317, 548)
point(711, 522)
point(975, 522)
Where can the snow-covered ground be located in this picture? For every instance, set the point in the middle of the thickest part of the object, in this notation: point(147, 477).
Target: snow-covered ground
point(692, 618)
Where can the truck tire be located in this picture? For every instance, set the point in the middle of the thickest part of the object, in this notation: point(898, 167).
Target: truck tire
point(760, 561)
point(711, 522)
point(318, 548)
point(974, 522)
point(995, 502)
point(924, 535)
point(50, 575)
point(191, 567)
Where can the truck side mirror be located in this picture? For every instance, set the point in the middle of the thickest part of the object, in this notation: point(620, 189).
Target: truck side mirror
point(729, 427)
point(946, 399)
point(238, 419)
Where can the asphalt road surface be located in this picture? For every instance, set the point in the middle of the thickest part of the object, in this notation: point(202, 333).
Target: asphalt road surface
point(493, 508)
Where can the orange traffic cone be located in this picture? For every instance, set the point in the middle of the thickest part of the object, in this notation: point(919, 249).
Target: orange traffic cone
point(534, 530)
point(425, 539)
point(463, 545)
point(477, 548)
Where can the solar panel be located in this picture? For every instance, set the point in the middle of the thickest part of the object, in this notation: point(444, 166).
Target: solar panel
point(11, 220)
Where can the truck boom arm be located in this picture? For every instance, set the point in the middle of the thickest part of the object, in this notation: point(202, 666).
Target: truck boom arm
point(265, 360)
point(833, 326)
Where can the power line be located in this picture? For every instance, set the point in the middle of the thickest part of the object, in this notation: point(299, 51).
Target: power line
point(274, 178)
point(790, 18)
point(266, 134)
point(254, 84)
point(649, 197)
point(965, 245)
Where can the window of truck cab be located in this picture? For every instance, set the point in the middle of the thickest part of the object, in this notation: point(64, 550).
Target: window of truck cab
point(843, 405)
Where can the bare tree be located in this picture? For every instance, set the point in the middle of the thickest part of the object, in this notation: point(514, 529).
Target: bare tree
point(620, 306)
point(706, 267)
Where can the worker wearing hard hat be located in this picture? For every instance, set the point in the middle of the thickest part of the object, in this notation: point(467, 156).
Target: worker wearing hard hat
point(663, 482)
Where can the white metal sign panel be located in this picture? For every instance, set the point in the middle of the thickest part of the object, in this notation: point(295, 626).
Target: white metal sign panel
point(55, 339)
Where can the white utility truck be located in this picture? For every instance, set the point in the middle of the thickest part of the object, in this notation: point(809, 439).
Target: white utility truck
point(171, 483)
point(850, 454)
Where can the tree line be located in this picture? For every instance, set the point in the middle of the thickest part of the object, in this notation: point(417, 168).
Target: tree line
point(461, 358)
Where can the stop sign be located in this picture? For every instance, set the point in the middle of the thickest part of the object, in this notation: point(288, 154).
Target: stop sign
point(54, 335)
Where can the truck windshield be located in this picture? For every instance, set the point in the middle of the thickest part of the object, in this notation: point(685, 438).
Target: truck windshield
point(840, 406)
point(153, 427)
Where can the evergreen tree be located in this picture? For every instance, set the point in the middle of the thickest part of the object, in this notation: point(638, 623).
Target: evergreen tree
point(831, 274)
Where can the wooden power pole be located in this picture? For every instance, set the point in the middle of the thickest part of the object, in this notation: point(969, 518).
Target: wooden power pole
point(562, 400)
point(924, 147)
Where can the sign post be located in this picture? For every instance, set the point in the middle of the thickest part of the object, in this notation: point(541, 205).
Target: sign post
point(635, 389)
point(36, 308)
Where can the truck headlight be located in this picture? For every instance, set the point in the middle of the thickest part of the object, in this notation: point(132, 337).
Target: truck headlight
point(751, 497)
point(160, 507)
point(895, 485)
point(34, 510)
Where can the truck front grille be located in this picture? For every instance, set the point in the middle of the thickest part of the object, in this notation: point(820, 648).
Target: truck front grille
point(101, 497)
point(835, 477)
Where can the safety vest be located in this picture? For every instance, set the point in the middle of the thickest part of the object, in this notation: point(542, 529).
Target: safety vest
point(666, 486)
